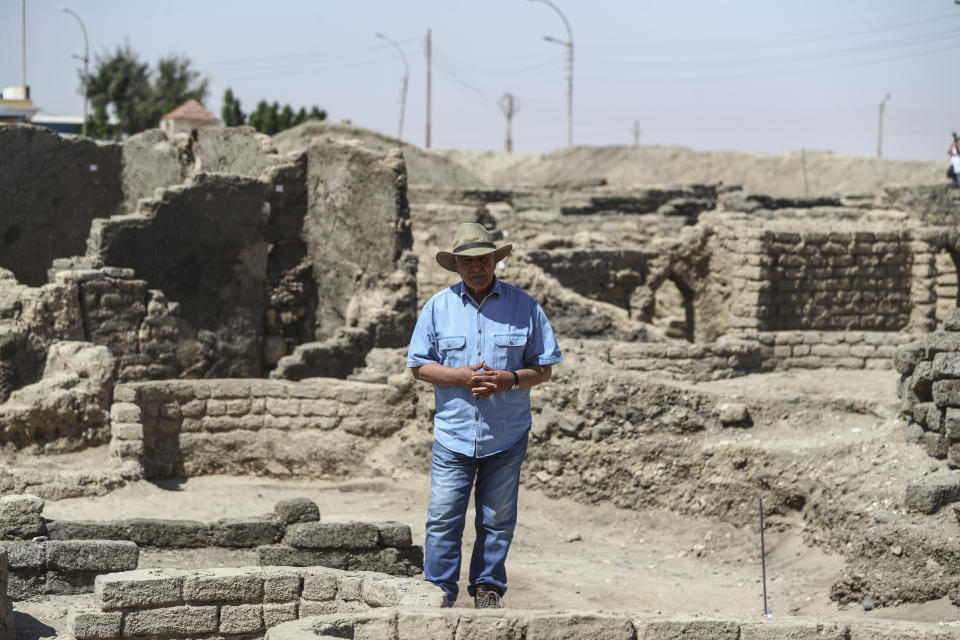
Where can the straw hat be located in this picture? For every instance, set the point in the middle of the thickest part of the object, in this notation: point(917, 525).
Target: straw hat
point(472, 239)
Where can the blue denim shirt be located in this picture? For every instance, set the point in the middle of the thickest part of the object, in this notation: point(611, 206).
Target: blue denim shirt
point(508, 330)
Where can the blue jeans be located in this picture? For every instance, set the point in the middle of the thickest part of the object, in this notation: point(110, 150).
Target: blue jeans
point(451, 481)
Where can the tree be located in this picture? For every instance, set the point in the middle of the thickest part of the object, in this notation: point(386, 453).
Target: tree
point(139, 97)
point(271, 118)
point(230, 113)
point(120, 80)
point(98, 125)
point(175, 83)
point(285, 119)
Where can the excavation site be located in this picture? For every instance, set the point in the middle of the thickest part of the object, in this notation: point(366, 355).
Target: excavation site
point(209, 430)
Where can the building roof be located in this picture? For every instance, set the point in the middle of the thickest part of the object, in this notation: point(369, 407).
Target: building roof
point(191, 110)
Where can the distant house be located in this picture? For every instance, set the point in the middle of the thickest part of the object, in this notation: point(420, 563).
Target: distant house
point(187, 117)
point(15, 105)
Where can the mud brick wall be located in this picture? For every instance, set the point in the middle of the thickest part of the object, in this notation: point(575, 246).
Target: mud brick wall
point(696, 362)
point(138, 325)
point(548, 625)
point(386, 547)
point(781, 350)
point(793, 278)
point(49, 567)
point(424, 624)
point(317, 426)
point(234, 602)
point(929, 390)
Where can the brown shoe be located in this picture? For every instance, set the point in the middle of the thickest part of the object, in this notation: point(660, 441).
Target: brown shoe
point(486, 596)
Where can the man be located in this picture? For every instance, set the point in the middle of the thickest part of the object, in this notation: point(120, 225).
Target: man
point(482, 344)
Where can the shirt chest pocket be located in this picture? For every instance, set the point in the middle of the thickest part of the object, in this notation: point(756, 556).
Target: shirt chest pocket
point(453, 352)
point(508, 351)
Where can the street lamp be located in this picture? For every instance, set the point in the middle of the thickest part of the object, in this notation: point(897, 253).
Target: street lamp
point(568, 43)
point(86, 61)
point(880, 126)
point(406, 77)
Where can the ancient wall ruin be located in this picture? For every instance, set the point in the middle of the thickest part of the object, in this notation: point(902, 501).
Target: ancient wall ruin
point(51, 189)
point(426, 624)
point(236, 602)
point(316, 427)
point(930, 392)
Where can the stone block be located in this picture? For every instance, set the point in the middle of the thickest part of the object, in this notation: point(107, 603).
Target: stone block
point(23, 554)
point(142, 588)
point(125, 412)
point(413, 625)
point(907, 356)
point(243, 618)
point(380, 592)
point(936, 445)
point(477, 626)
point(922, 378)
point(931, 493)
point(946, 393)
point(348, 587)
point(690, 630)
point(319, 585)
point(245, 532)
point(274, 614)
point(579, 626)
point(946, 366)
point(951, 321)
point(280, 586)
point(26, 583)
point(332, 535)
point(223, 585)
point(310, 608)
point(397, 562)
point(172, 621)
point(102, 556)
point(86, 623)
point(282, 555)
point(126, 431)
point(297, 510)
point(156, 532)
point(951, 424)
point(941, 342)
point(87, 530)
point(393, 534)
point(61, 583)
point(794, 630)
point(20, 516)
point(418, 594)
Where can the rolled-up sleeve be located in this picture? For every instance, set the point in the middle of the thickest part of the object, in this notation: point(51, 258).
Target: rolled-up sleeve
point(542, 348)
point(423, 349)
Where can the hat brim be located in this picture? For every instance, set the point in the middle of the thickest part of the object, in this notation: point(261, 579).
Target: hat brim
point(446, 259)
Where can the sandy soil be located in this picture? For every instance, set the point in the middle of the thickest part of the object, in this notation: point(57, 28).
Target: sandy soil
point(569, 555)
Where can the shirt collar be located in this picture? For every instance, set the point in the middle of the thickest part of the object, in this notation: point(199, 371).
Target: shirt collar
point(461, 289)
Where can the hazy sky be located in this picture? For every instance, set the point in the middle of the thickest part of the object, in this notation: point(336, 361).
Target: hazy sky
point(750, 75)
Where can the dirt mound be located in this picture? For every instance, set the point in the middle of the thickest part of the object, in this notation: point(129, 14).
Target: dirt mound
point(423, 168)
point(781, 175)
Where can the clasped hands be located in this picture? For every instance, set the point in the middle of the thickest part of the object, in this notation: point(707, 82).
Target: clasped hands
point(483, 382)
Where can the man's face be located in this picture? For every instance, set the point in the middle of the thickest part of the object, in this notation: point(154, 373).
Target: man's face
point(476, 271)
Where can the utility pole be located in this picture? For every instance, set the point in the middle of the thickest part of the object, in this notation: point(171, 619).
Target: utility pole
point(880, 126)
point(86, 72)
point(636, 133)
point(509, 104)
point(429, 58)
point(406, 77)
point(568, 43)
point(23, 47)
